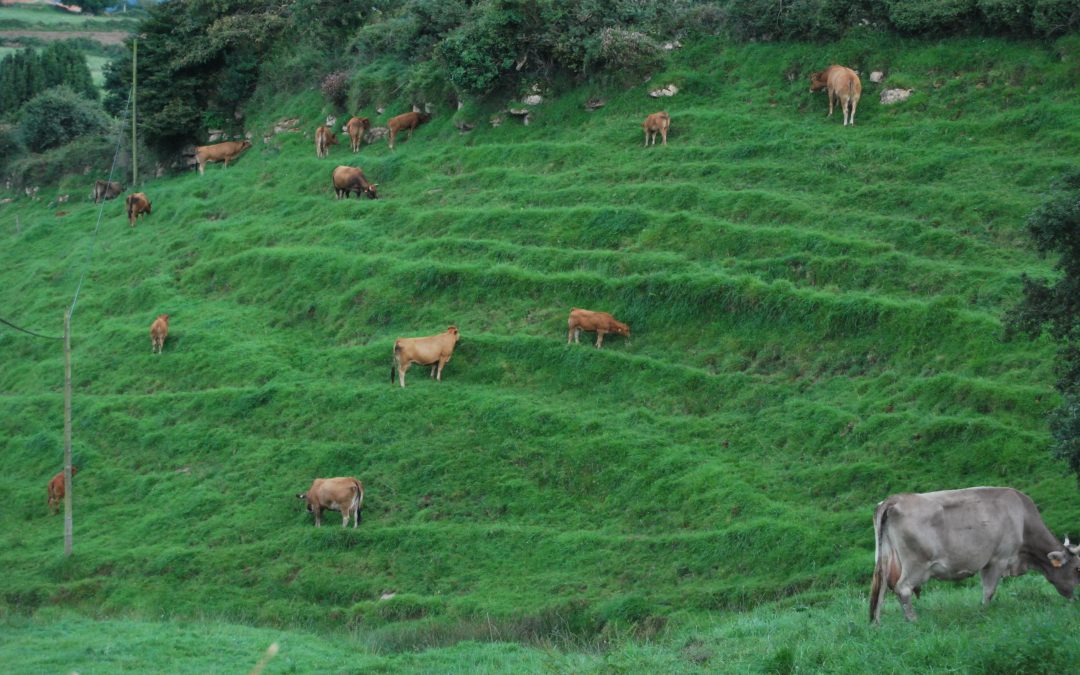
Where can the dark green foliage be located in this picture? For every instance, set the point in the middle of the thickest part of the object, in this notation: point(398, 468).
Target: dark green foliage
point(56, 117)
point(27, 73)
point(1055, 306)
point(10, 148)
point(921, 17)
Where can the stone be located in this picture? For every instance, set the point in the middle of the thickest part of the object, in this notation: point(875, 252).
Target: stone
point(669, 90)
point(890, 96)
point(877, 77)
point(533, 99)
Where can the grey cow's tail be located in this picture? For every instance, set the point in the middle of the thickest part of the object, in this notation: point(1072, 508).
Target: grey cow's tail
point(884, 560)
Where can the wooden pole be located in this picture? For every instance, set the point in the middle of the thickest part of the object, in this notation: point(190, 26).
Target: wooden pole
point(67, 433)
point(134, 92)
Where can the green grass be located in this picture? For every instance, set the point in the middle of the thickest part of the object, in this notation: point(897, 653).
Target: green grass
point(23, 17)
point(816, 315)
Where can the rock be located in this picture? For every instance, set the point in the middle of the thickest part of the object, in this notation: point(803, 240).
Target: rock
point(387, 596)
point(464, 127)
point(594, 104)
point(287, 124)
point(877, 77)
point(331, 120)
point(674, 44)
point(533, 99)
point(890, 96)
point(376, 134)
point(215, 135)
point(380, 109)
point(496, 120)
point(521, 113)
point(669, 90)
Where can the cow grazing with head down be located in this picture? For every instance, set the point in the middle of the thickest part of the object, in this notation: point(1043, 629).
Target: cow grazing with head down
point(954, 534)
point(356, 127)
point(348, 179)
point(104, 189)
point(137, 205)
point(601, 322)
point(56, 490)
point(159, 330)
point(433, 351)
point(324, 138)
point(842, 85)
point(409, 120)
point(219, 152)
point(344, 495)
point(656, 123)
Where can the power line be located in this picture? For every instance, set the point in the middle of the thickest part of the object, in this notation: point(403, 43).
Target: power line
point(29, 332)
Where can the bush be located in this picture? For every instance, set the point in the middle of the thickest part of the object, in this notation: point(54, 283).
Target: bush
point(930, 16)
point(57, 116)
point(10, 147)
point(1051, 18)
point(626, 54)
point(335, 87)
point(1009, 16)
point(50, 167)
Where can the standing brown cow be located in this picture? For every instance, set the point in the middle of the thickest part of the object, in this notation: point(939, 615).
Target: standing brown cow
point(56, 490)
point(843, 85)
point(324, 138)
point(159, 330)
point(104, 189)
point(356, 128)
point(137, 204)
point(219, 152)
point(344, 495)
point(601, 322)
point(409, 120)
point(434, 350)
point(656, 123)
point(348, 179)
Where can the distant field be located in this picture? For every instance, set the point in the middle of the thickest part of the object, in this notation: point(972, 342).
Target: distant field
point(51, 19)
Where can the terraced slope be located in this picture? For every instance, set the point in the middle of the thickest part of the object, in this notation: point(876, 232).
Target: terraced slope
point(816, 316)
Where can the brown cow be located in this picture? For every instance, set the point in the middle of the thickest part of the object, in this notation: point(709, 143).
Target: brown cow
point(159, 330)
point(409, 120)
point(324, 138)
point(656, 122)
point(104, 189)
point(137, 204)
point(843, 85)
point(601, 322)
point(434, 350)
point(344, 495)
point(356, 128)
point(219, 152)
point(56, 490)
point(348, 179)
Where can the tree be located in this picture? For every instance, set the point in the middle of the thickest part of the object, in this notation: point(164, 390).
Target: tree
point(1054, 306)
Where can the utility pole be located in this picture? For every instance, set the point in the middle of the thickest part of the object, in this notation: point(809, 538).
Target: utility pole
point(67, 434)
point(134, 92)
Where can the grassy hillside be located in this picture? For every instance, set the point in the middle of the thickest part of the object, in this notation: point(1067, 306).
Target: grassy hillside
point(816, 316)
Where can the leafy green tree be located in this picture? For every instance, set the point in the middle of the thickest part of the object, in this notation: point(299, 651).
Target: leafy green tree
point(1053, 306)
point(58, 116)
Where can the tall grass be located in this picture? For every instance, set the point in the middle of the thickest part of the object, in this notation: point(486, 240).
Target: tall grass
point(816, 324)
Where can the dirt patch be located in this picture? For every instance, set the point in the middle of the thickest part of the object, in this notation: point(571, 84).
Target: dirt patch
point(104, 37)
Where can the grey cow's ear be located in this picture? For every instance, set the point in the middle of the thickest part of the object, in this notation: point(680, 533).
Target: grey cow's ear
point(1057, 558)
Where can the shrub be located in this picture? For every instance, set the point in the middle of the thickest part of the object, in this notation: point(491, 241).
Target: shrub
point(625, 53)
point(57, 116)
point(1010, 16)
point(1051, 18)
point(335, 87)
point(930, 16)
point(9, 146)
point(50, 167)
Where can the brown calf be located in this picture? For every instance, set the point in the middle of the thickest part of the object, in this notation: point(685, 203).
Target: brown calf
point(351, 179)
point(356, 128)
point(434, 350)
point(137, 204)
point(104, 189)
point(159, 330)
point(601, 322)
point(219, 152)
point(324, 138)
point(56, 490)
point(344, 495)
point(843, 85)
point(409, 120)
point(656, 123)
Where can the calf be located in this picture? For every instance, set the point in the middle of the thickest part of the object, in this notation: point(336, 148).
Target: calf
point(434, 350)
point(137, 204)
point(601, 322)
point(344, 495)
point(324, 138)
point(409, 120)
point(104, 189)
point(356, 128)
point(348, 179)
point(843, 85)
point(56, 490)
point(159, 330)
point(219, 152)
point(656, 123)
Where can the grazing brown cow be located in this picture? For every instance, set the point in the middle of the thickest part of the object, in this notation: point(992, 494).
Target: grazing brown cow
point(952, 534)
point(843, 85)
point(601, 322)
point(409, 120)
point(159, 330)
point(344, 495)
point(137, 204)
point(324, 138)
point(104, 189)
point(434, 350)
point(56, 490)
point(656, 122)
point(356, 128)
point(219, 152)
point(348, 179)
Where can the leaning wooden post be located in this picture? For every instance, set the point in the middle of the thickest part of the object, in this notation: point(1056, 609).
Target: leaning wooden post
point(67, 433)
point(134, 94)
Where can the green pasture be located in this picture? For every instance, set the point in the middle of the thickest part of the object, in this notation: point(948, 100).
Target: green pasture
point(24, 17)
point(816, 317)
